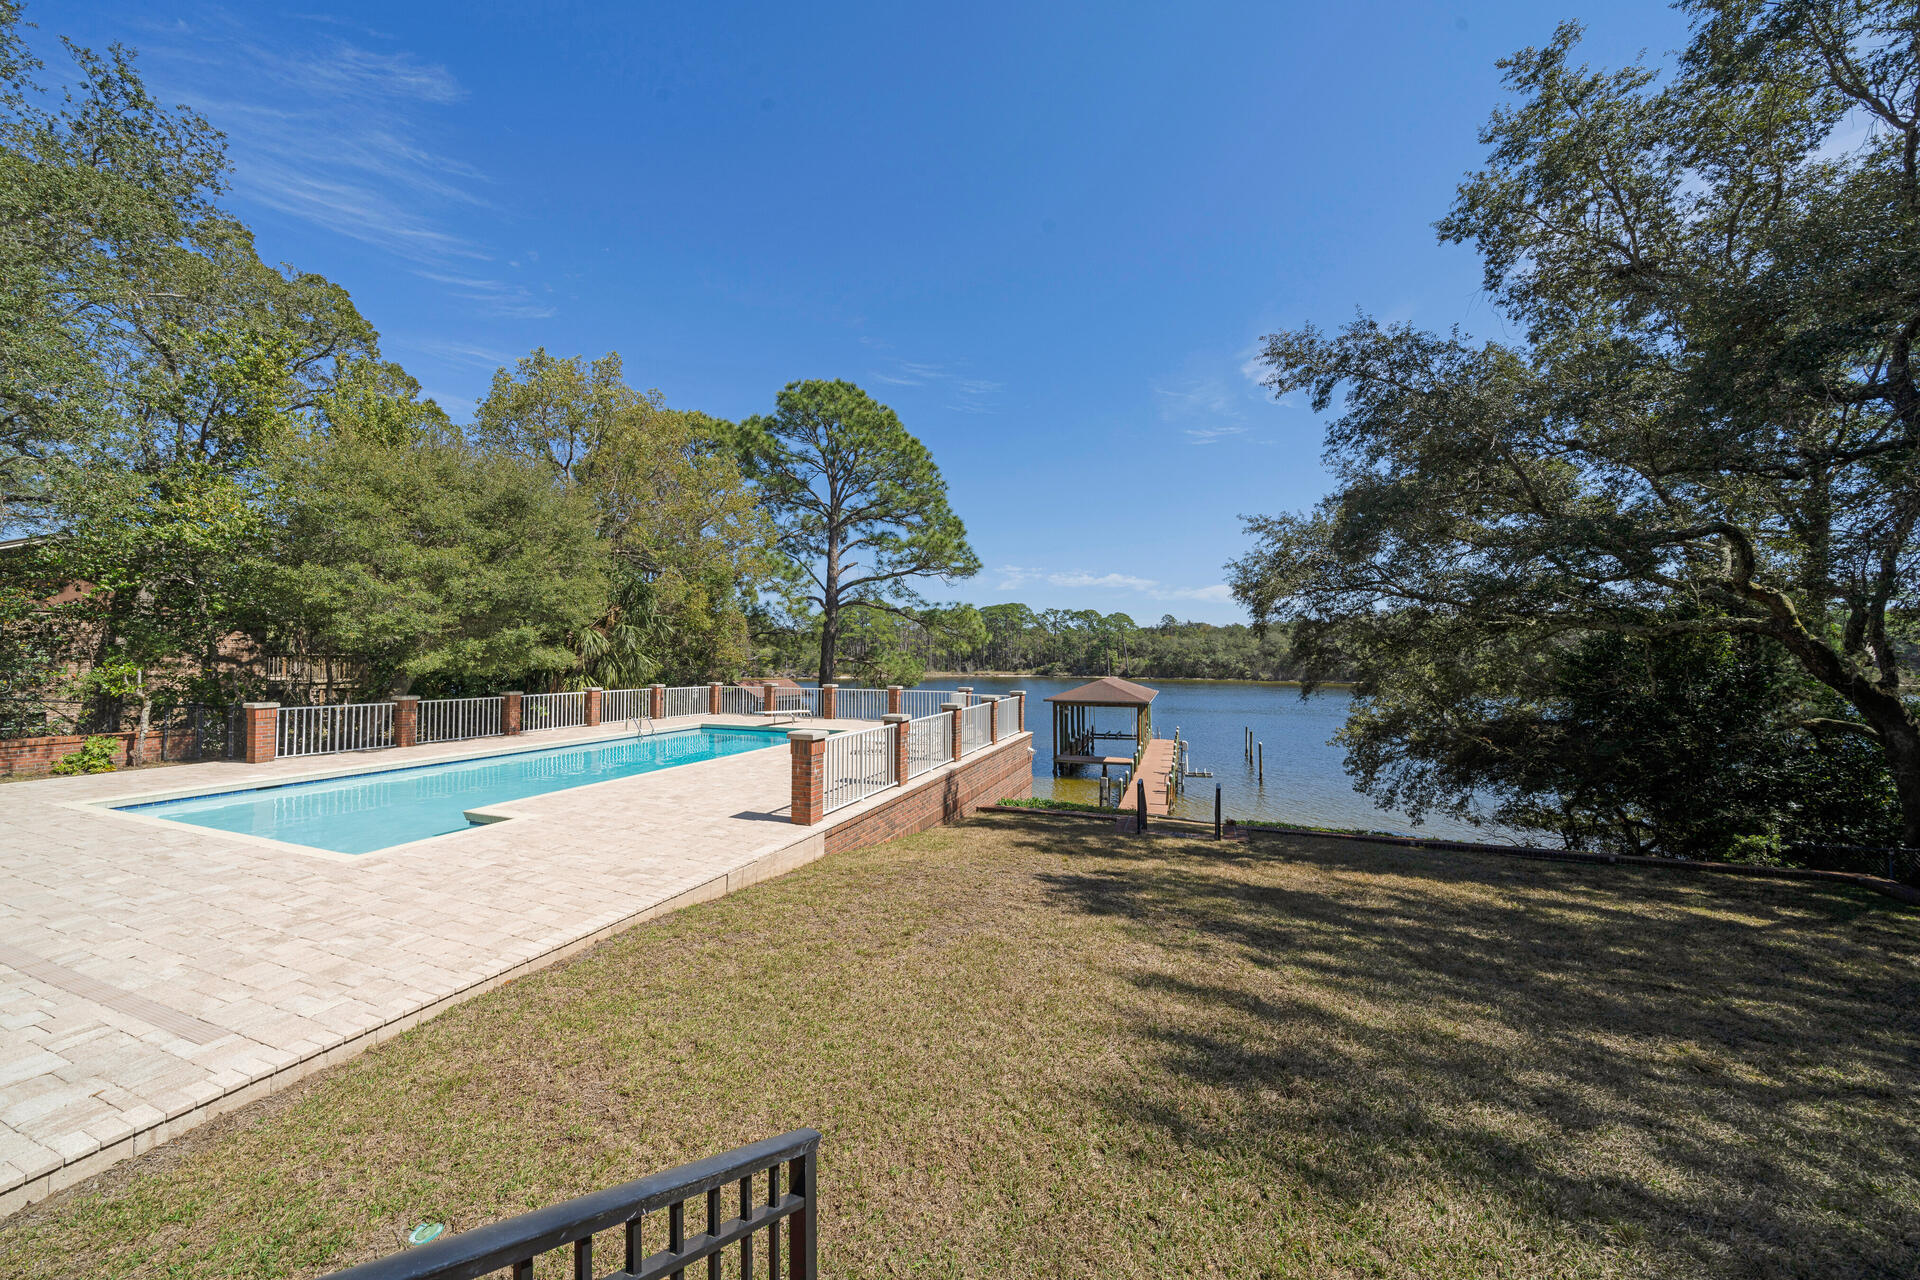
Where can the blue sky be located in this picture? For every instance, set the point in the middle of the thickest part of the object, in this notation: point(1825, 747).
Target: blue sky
point(1050, 236)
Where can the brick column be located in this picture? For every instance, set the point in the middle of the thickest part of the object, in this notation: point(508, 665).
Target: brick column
point(899, 722)
point(406, 720)
point(829, 701)
point(954, 709)
point(657, 699)
point(594, 694)
point(509, 714)
point(769, 700)
point(895, 696)
point(809, 775)
point(259, 723)
point(713, 697)
point(1020, 711)
point(993, 720)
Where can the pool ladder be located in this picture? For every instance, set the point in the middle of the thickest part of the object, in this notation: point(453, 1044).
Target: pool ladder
point(640, 726)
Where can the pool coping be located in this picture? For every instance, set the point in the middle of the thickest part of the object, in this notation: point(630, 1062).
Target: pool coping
point(117, 807)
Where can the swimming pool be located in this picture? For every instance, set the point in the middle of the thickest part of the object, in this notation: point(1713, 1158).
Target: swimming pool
point(364, 812)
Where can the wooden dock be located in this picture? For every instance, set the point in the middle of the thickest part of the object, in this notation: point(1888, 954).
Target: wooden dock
point(1157, 763)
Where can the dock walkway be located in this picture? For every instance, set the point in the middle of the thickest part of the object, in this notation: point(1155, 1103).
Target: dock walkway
point(1157, 763)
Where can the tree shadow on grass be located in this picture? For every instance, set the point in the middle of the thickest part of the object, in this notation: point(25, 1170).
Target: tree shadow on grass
point(1725, 1067)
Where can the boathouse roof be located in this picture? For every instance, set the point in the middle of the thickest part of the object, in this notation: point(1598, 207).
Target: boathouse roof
point(1108, 691)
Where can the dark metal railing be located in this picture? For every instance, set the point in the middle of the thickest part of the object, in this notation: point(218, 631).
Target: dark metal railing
point(512, 1245)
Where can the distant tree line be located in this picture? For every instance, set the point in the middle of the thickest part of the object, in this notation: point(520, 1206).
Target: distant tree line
point(1018, 639)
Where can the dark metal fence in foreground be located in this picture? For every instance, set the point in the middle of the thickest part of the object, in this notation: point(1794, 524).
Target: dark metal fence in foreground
point(1893, 862)
point(754, 1170)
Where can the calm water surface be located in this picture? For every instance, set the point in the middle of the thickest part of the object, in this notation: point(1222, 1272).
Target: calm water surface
point(1305, 782)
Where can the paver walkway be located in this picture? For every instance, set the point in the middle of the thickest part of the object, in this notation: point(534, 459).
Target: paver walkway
point(153, 974)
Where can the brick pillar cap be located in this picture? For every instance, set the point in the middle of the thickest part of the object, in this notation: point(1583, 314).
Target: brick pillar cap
point(892, 687)
point(513, 693)
point(953, 706)
point(656, 685)
point(896, 717)
point(1016, 693)
point(406, 697)
point(829, 686)
point(596, 688)
point(259, 704)
point(807, 735)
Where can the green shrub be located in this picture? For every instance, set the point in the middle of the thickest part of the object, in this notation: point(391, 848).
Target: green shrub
point(94, 756)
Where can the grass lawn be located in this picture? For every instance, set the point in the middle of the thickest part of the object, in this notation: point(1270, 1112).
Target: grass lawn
point(1039, 1048)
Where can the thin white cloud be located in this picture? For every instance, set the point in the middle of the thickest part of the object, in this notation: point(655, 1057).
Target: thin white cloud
point(1017, 577)
point(966, 394)
point(491, 297)
point(339, 134)
point(454, 352)
point(1216, 396)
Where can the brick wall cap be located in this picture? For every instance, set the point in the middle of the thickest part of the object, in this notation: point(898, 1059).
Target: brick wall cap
point(892, 687)
point(896, 717)
point(953, 706)
point(829, 686)
point(255, 706)
point(807, 735)
point(513, 693)
point(406, 697)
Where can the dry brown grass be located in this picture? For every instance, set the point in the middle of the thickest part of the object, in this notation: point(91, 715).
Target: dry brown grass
point(1038, 1048)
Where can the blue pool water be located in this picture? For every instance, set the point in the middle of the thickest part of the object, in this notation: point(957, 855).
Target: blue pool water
point(368, 811)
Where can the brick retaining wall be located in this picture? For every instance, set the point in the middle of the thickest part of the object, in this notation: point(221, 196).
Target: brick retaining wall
point(1003, 772)
point(37, 755)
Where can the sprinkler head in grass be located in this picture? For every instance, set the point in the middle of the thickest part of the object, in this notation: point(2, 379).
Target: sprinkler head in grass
point(426, 1233)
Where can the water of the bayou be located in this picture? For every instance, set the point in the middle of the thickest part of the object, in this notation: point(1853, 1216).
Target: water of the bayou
point(1305, 782)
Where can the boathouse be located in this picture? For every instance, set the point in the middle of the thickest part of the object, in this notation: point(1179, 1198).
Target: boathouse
point(1078, 734)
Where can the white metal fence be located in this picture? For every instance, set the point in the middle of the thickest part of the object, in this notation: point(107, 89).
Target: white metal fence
point(687, 700)
point(624, 704)
point(552, 710)
point(857, 765)
point(314, 731)
point(929, 743)
point(804, 701)
point(1009, 713)
point(925, 702)
point(736, 701)
point(860, 704)
point(455, 719)
point(975, 729)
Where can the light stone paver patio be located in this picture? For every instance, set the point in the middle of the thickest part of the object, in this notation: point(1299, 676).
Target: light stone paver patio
point(154, 974)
